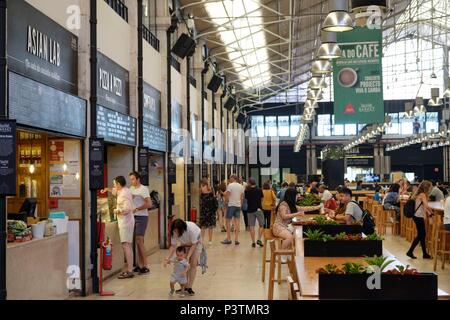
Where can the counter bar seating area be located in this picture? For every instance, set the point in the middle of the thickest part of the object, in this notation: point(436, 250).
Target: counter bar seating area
point(222, 150)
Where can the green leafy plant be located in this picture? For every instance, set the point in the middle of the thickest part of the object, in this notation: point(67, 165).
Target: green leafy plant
point(341, 236)
point(380, 262)
point(309, 200)
point(353, 268)
point(321, 220)
point(403, 270)
point(333, 153)
point(374, 236)
point(314, 235)
point(327, 237)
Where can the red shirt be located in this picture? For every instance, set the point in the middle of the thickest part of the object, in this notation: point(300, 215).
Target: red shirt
point(331, 204)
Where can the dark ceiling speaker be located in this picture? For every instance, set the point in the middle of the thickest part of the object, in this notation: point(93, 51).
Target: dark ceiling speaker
point(230, 103)
point(215, 83)
point(357, 4)
point(184, 46)
point(173, 24)
point(241, 118)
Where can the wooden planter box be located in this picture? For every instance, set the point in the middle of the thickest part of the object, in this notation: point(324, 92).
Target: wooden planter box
point(392, 287)
point(343, 248)
point(334, 229)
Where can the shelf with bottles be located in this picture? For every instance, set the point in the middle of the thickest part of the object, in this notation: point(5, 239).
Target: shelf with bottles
point(30, 147)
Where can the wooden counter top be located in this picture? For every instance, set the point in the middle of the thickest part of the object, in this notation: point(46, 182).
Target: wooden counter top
point(34, 242)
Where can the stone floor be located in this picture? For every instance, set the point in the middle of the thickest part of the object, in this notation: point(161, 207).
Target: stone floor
point(235, 273)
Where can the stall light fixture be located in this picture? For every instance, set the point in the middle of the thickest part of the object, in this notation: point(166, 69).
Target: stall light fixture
point(424, 146)
point(329, 48)
point(321, 66)
point(447, 91)
point(435, 101)
point(419, 107)
point(31, 168)
point(434, 145)
point(338, 20)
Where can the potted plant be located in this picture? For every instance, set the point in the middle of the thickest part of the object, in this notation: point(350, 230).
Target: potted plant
point(333, 168)
point(356, 281)
point(317, 243)
point(331, 227)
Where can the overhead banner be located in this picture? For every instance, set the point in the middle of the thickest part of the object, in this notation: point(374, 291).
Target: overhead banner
point(358, 78)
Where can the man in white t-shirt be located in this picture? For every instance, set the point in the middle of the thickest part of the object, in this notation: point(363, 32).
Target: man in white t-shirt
point(325, 194)
point(234, 196)
point(142, 202)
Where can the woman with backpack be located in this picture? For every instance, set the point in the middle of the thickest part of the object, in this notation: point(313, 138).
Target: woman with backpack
point(208, 208)
point(420, 198)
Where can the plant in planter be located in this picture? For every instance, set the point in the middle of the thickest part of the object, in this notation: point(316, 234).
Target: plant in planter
point(321, 220)
point(327, 237)
point(378, 261)
point(309, 200)
point(374, 236)
point(333, 153)
point(403, 270)
point(353, 268)
point(314, 235)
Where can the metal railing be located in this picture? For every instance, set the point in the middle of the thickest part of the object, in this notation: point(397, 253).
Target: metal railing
point(119, 7)
point(150, 38)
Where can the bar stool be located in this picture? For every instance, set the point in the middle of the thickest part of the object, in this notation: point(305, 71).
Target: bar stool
point(275, 255)
point(293, 288)
point(391, 220)
point(440, 246)
point(379, 219)
point(268, 236)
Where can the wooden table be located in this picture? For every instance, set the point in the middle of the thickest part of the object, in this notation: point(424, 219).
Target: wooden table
point(307, 266)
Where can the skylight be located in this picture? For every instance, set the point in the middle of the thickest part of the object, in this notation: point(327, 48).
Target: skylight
point(241, 31)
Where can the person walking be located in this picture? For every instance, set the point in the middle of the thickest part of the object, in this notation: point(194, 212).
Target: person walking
point(125, 218)
point(422, 210)
point(142, 203)
point(208, 208)
point(220, 194)
point(234, 197)
point(280, 194)
point(244, 205)
point(188, 235)
point(254, 195)
point(268, 203)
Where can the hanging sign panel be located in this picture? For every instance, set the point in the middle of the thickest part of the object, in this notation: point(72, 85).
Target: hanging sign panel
point(7, 157)
point(358, 77)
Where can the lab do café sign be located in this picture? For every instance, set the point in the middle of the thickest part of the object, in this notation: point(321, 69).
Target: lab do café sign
point(358, 83)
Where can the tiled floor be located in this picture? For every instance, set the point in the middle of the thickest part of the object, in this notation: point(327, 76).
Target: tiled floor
point(235, 273)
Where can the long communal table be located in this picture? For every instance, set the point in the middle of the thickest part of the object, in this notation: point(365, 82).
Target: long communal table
point(307, 266)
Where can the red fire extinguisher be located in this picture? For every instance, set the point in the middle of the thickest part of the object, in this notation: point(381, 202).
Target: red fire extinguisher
point(193, 215)
point(107, 255)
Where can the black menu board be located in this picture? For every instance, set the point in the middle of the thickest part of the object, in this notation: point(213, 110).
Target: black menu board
point(96, 164)
point(143, 165)
point(190, 172)
point(116, 127)
point(7, 158)
point(37, 105)
point(152, 105)
point(155, 138)
point(171, 172)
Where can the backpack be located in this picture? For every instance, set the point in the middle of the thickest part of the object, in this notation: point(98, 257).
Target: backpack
point(154, 196)
point(367, 221)
point(409, 210)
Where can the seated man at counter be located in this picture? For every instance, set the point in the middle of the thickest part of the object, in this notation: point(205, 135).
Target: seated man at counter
point(436, 194)
point(353, 212)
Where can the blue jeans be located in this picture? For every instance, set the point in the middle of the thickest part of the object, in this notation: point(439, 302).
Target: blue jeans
point(447, 227)
point(233, 212)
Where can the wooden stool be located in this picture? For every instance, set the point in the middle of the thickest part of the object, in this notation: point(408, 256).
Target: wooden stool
point(275, 255)
point(268, 236)
point(379, 218)
point(293, 288)
point(410, 230)
point(440, 246)
point(391, 220)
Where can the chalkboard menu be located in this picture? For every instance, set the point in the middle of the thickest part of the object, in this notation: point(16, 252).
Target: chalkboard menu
point(40, 48)
point(37, 105)
point(171, 172)
point(364, 162)
point(190, 172)
point(96, 164)
point(113, 85)
point(152, 105)
point(204, 170)
point(155, 138)
point(143, 165)
point(7, 158)
point(116, 127)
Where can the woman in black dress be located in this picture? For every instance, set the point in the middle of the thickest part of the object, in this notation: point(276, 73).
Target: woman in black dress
point(208, 208)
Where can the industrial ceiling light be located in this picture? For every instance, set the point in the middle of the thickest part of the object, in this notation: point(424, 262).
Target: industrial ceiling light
point(424, 147)
point(314, 94)
point(311, 103)
point(321, 66)
point(435, 101)
point(435, 145)
point(419, 107)
point(316, 82)
point(447, 91)
point(329, 48)
point(338, 20)
point(409, 113)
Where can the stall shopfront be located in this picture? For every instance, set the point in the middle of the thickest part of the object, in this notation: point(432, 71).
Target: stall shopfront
point(118, 129)
point(153, 162)
point(45, 215)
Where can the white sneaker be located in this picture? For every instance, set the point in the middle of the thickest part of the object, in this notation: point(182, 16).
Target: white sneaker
point(210, 243)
